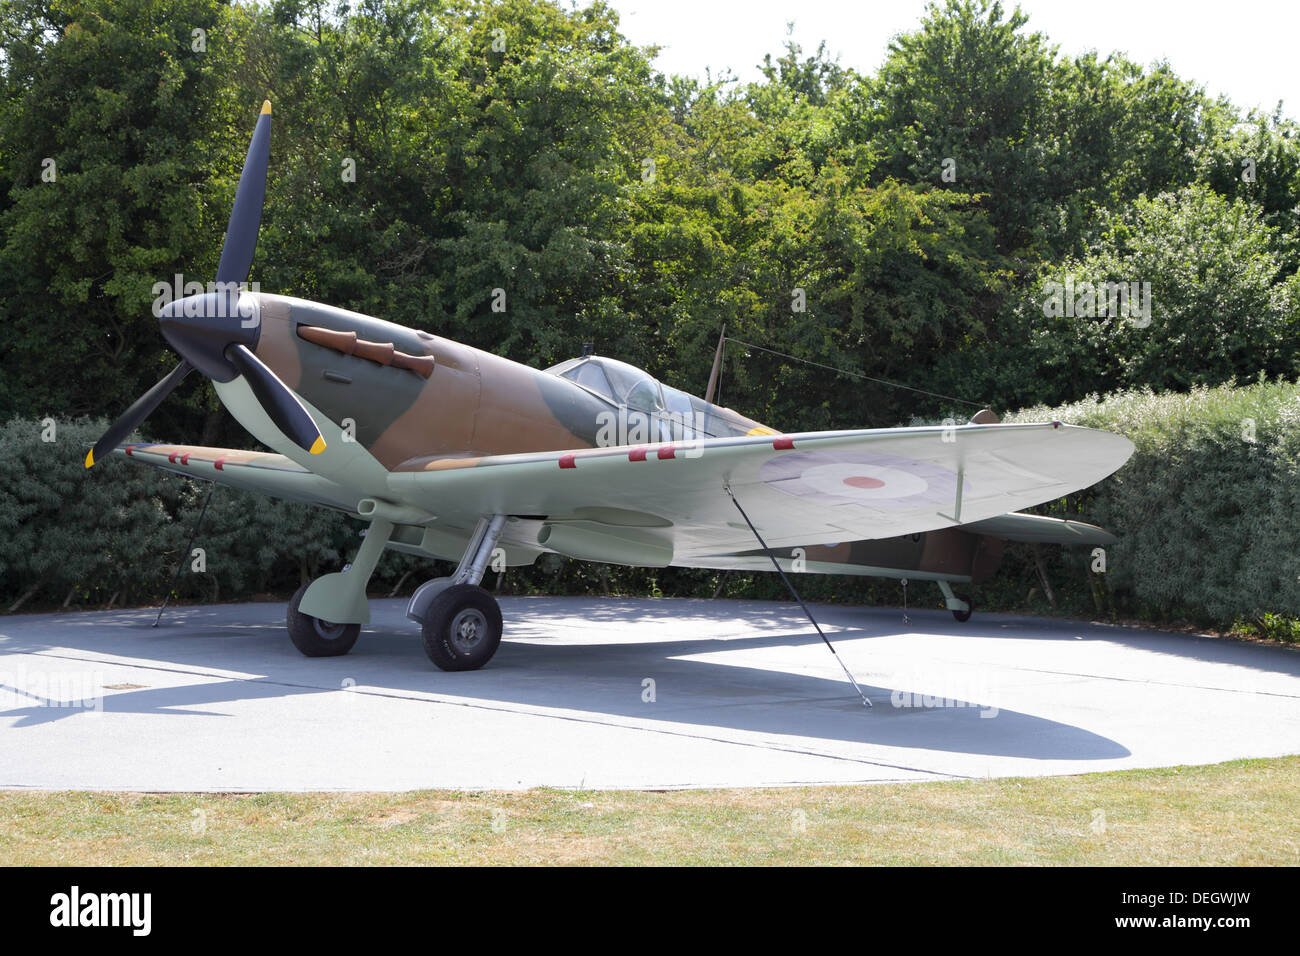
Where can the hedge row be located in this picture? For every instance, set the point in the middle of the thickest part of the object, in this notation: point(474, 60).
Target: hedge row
point(1206, 509)
point(116, 533)
point(1206, 512)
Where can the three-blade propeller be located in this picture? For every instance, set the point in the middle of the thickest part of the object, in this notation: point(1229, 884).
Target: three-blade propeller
point(213, 333)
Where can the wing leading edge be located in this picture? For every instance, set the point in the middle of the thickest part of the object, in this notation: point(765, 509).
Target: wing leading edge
point(260, 472)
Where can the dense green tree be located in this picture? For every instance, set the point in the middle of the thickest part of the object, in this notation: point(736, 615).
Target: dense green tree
point(1216, 303)
point(1258, 160)
point(490, 146)
point(969, 89)
point(114, 138)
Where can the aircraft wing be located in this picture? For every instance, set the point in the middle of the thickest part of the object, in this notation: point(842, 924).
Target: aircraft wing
point(261, 472)
point(818, 487)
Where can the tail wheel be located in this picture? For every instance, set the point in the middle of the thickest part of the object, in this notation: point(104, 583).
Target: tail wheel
point(462, 628)
point(317, 638)
point(964, 616)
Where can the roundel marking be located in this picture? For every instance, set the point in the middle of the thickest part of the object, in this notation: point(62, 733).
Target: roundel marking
point(871, 479)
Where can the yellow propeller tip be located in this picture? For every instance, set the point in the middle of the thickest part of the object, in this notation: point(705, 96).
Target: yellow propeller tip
point(90, 458)
point(266, 108)
point(318, 446)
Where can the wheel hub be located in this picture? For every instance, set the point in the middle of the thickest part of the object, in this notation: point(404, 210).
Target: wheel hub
point(328, 630)
point(467, 629)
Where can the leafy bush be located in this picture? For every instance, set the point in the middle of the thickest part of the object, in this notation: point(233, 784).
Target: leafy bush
point(118, 532)
point(1207, 513)
point(1206, 509)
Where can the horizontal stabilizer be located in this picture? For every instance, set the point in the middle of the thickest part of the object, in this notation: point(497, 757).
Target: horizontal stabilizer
point(1042, 529)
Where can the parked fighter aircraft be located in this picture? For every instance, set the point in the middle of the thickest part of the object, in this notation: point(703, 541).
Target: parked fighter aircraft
point(455, 453)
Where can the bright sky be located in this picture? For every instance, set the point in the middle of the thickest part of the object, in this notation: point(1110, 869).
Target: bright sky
point(1244, 49)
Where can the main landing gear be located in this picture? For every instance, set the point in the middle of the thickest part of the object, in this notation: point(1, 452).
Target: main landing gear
point(459, 621)
point(462, 628)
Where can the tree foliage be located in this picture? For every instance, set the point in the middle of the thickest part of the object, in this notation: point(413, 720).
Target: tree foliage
point(901, 223)
point(427, 154)
point(1205, 509)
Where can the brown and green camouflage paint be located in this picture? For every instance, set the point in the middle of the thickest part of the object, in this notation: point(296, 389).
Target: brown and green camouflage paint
point(473, 404)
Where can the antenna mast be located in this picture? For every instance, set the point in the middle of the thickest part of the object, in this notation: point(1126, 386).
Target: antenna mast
point(717, 366)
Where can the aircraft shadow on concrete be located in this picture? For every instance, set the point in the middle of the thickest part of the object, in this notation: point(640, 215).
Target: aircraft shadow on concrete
point(590, 681)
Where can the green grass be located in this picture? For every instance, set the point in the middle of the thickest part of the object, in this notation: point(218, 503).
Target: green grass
point(1243, 812)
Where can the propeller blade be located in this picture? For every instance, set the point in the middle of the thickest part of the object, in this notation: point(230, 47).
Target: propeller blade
point(131, 419)
point(246, 214)
point(279, 403)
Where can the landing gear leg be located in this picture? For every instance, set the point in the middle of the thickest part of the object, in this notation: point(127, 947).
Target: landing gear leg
point(460, 621)
point(960, 604)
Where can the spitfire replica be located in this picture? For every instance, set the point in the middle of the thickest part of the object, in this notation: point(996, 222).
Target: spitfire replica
point(458, 454)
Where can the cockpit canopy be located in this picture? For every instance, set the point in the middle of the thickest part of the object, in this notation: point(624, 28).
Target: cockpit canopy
point(647, 410)
point(616, 381)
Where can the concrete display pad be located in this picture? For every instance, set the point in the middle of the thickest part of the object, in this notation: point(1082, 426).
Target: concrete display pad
point(606, 693)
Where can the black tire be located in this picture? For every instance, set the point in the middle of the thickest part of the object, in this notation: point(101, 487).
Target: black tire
point(317, 638)
point(462, 628)
point(964, 616)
